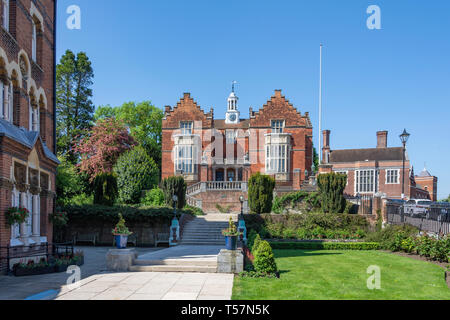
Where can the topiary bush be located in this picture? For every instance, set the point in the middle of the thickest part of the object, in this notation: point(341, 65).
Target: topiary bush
point(260, 193)
point(256, 243)
point(154, 197)
point(174, 186)
point(332, 186)
point(105, 189)
point(264, 259)
point(136, 171)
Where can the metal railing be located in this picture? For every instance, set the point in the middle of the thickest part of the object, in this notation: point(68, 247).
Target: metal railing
point(436, 220)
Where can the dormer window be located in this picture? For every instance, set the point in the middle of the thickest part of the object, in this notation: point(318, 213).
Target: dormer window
point(186, 127)
point(277, 126)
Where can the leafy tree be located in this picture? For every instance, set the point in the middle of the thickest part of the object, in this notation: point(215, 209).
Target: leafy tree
point(68, 182)
point(99, 151)
point(260, 193)
point(105, 189)
point(74, 107)
point(136, 172)
point(174, 186)
point(332, 186)
point(154, 198)
point(316, 160)
point(144, 121)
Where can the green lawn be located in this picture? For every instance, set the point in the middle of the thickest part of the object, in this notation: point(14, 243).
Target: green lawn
point(322, 275)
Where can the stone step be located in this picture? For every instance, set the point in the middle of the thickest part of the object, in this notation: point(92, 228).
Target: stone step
point(203, 243)
point(174, 268)
point(177, 262)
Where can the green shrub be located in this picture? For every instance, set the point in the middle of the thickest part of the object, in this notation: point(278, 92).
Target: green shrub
point(136, 171)
point(260, 193)
point(387, 237)
point(107, 214)
point(193, 210)
point(154, 197)
point(105, 189)
point(264, 259)
point(70, 183)
point(174, 186)
point(440, 250)
point(293, 200)
point(256, 243)
point(251, 238)
point(332, 186)
point(326, 245)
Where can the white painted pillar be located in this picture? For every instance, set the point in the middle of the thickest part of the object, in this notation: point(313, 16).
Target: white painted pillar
point(36, 216)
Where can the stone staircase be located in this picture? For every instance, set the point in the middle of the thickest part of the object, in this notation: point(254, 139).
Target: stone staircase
point(206, 230)
point(201, 242)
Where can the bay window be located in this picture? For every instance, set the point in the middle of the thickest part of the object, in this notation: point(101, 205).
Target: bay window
point(277, 158)
point(184, 159)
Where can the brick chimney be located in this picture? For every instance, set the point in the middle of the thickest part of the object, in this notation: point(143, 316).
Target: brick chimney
point(382, 139)
point(326, 145)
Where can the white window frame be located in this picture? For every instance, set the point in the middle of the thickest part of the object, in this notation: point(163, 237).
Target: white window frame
point(389, 176)
point(34, 118)
point(277, 158)
point(230, 136)
point(184, 159)
point(277, 126)
point(34, 42)
point(6, 102)
point(365, 181)
point(186, 127)
point(6, 15)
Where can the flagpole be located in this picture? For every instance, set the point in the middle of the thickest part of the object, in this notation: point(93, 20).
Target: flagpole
point(320, 108)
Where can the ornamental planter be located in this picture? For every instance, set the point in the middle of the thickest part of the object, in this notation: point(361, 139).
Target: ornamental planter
point(121, 241)
point(231, 242)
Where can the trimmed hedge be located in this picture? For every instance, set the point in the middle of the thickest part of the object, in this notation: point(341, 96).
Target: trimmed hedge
point(326, 245)
point(260, 193)
point(132, 214)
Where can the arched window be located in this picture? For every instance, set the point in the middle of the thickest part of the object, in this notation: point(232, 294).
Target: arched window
point(36, 40)
point(34, 117)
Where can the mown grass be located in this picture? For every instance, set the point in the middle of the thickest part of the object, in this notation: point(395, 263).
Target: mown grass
point(342, 275)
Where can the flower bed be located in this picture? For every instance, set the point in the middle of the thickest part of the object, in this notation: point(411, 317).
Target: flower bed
point(326, 245)
point(54, 264)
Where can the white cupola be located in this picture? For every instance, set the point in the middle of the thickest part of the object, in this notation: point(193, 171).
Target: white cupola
point(233, 114)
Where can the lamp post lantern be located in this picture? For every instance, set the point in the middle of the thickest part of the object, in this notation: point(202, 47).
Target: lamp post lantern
point(404, 139)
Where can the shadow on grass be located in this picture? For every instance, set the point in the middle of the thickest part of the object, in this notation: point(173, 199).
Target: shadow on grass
point(285, 253)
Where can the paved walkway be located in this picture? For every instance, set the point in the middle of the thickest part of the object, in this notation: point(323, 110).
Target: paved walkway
point(98, 284)
point(152, 286)
point(18, 288)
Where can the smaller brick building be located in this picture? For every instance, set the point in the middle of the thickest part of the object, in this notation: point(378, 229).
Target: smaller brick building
point(377, 170)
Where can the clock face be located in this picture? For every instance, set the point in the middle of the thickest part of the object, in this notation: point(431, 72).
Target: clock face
point(232, 117)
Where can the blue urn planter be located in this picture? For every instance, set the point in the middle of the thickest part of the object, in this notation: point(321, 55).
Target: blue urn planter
point(121, 241)
point(231, 242)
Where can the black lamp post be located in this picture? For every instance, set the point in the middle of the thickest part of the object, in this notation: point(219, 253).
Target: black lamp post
point(404, 138)
point(175, 201)
point(241, 199)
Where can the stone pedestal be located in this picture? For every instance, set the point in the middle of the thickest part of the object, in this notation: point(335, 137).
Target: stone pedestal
point(230, 261)
point(120, 259)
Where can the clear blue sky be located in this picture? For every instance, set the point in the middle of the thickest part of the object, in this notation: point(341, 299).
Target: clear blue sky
point(389, 79)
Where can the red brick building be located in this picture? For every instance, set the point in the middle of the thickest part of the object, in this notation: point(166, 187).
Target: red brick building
point(377, 170)
point(217, 156)
point(27, 118)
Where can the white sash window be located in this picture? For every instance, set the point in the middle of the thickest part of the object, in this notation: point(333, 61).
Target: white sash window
point(365, 181)
point(34, 42)
point(276, 158)
point(184, 159)
point(6, 14)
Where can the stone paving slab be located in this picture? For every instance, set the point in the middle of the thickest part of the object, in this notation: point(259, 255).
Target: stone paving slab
point(154, 286)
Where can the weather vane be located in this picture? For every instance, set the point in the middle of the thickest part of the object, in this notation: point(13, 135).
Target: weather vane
point(232, 85)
